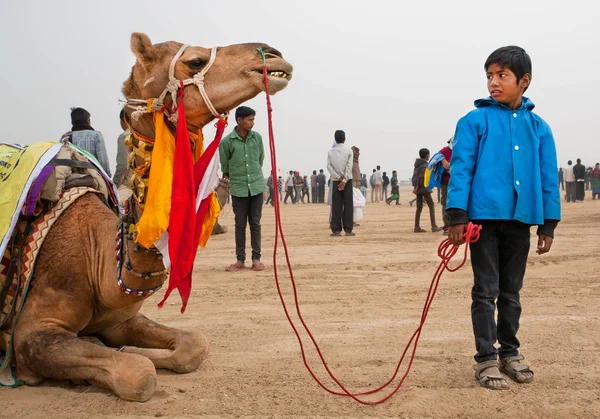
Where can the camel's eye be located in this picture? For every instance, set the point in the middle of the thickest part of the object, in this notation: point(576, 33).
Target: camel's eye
point(196, 63)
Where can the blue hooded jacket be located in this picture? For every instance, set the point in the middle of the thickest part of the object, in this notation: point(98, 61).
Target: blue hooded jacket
point(504, 167)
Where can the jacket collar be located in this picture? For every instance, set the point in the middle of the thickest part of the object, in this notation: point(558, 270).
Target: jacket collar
point(526, 103)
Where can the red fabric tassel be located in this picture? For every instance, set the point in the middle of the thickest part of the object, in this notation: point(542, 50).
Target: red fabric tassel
point(182, 217)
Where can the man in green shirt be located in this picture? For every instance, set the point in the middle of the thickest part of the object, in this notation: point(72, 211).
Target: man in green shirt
point(242, 156)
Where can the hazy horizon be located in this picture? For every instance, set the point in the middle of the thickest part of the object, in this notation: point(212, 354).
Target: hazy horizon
point(395, 76)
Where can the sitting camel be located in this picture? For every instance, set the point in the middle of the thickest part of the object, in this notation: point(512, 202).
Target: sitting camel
point(74, 297)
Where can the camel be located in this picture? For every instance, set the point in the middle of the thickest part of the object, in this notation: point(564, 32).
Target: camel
point(75, 315)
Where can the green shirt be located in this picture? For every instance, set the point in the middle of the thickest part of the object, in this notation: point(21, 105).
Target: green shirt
point(243, 161)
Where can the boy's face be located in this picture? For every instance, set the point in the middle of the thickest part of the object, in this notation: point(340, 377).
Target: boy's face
point(502, 84)
point(246, 123)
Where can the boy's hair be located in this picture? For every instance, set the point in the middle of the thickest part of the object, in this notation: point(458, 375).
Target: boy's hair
point(320, 170)
point(374, 170)
point(314, 172)
point(579, 161)
point(378, 167)
point(122, 115)
point(393, 171)
point(384, 173)
point(79, 116)
point(244, 112)
point(340, 136)
point(291, 172)
point(569, 162)
point(513, 58)
point(423, 153)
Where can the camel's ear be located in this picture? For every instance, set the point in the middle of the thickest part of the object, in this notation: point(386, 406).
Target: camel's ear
point(142, 48)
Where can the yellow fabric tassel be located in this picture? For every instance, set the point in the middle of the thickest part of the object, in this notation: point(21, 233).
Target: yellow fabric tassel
point(155, 218)
point(211, 219)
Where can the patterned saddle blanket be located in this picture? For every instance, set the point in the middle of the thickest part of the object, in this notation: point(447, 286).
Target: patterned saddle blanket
point(37, 184)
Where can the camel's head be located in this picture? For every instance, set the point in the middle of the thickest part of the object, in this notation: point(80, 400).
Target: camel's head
point(234, 77)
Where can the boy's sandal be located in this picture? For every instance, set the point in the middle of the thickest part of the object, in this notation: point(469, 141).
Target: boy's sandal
point(257, 265)
point(486, 379)
point(512, 367)
point(234, 267)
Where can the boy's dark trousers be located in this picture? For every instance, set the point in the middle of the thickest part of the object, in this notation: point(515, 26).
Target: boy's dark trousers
point(315, 193)
point(427, 198)
point(499, 259)
point(247, 210)
point(341, 208)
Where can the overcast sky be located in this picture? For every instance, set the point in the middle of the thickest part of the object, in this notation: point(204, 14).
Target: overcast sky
point(395, 75)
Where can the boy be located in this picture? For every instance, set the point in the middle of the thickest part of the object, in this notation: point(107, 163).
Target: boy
point(504, 176)
point(242, 155)
point(395, 190)
point(422, 193)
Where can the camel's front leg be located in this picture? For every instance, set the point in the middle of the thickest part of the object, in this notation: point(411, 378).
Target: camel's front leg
point(173, 349)
point(59, 354)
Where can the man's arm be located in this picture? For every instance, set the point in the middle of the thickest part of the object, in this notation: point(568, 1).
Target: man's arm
point(550, 191)
point(462, 171)
point(102, 154)
point(261, 155)
point(330, 167)
point(224, 156)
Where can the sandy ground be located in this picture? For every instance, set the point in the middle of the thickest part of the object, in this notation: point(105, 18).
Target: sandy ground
point(362, 297)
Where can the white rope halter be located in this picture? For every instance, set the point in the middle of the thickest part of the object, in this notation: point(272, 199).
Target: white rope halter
point(140, 106)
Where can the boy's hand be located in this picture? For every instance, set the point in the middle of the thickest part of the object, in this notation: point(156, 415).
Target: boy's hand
point(445, 164)
point(341, 186)
point(544, 244)
point(456, 234)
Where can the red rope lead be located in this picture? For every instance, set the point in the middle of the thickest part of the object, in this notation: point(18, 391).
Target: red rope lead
point(446, 252)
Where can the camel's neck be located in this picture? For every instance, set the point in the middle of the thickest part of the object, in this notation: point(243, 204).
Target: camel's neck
point(141, 146)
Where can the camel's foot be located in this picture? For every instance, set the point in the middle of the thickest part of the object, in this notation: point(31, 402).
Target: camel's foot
point(60, 355)
point(177, 350)
point(219, 229)
point(28, 377)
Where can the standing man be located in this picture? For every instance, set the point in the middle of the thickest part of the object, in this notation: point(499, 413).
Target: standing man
point(339, 164)
point(298, 185)
point(447, 152)
point(271, 190)
point(378, 184)
point(422, 192)
point(386, 182)
point(561, 178)
point(595, 176)
point(579, 172)
point(84, 136)
point(314, 187)
point(289, 187)
point(570, 183)
point(122, 175)
point(242, 156)
point(321, 181)
point(280, 188)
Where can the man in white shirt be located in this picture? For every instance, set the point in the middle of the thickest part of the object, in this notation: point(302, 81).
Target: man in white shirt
point(570, 183)
point(339, 164)
point(378, 184)
point(289, 187)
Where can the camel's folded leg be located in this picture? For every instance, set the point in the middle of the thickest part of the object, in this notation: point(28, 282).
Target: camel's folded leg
point(58, 354)
point(173, 349)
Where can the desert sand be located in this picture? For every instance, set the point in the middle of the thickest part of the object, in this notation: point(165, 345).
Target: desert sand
point(362, 298)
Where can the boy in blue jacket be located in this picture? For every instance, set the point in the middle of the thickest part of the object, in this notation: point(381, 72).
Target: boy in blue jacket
point(504, 176)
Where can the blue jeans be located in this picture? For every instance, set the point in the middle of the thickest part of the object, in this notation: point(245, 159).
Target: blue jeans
point(499, 259)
